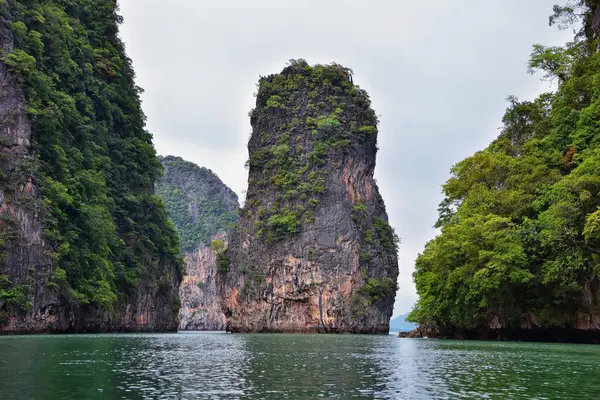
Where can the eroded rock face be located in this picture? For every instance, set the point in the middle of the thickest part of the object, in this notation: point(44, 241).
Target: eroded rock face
point(312, 251)
point(202, 208)
point(200, 306)
point(25, 263)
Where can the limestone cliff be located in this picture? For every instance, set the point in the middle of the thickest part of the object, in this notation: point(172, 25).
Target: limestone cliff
point(200, 306)
point(312, 251)
point(203, 208)
point(21, 229)
point(85, 245)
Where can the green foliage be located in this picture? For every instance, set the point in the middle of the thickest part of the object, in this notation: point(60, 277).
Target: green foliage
point(364, 258)
point(280, 225)
point(93, 159)
point(218, 246)
point(591, 229)
point(379, 242)
point(367, 130)
point(520, 222)
point(222, 263)
point(220, 249)
point(274, 102)
point(359, 209)
point(369, 236)
point(554, 61)
point(375, 290)
point(359, 213)
point(59, 279)
point(199, 204)
point(386, 235)
point(471, 267)
point(571, 14)
point(13, 298)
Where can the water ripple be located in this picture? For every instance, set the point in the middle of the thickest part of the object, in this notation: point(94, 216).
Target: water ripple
point(219, 366)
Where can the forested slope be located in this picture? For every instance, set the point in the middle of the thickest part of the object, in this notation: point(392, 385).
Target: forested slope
point(519, 251)
point(199, 203)
point(86, 244)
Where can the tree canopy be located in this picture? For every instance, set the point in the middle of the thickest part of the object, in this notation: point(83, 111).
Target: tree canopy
point(520, 222)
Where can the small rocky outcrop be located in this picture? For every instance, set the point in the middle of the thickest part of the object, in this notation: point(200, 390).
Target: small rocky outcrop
point(313, 250)
point(583, 333)
point(203, 209)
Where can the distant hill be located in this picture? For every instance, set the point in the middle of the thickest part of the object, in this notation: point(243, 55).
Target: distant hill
point(198, 202)
point(399, 324)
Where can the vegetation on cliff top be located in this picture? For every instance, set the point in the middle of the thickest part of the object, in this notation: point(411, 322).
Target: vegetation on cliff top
point(520, 222)
point(198, 202)
point(320, 99)
point(94, 162)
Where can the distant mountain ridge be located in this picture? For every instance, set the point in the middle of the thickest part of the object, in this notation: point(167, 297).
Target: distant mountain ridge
point(199, 203)
point(399, 324)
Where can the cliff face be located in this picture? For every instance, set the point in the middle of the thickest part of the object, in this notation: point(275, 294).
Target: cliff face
point(203, 209)
point(84, 243)
point(200, 304)
point(312, 251)
point(21, 228)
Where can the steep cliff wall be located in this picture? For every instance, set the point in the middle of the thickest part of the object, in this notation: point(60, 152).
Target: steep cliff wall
point(26, 266)
point(200, 304)
point(312, 251)
point(85, 245)
point(203, 209)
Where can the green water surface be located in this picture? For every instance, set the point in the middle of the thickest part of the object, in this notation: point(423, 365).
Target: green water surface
point(222, 366)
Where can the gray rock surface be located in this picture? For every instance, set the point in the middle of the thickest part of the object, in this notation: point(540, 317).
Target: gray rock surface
point(305, 255)
point(200, 306)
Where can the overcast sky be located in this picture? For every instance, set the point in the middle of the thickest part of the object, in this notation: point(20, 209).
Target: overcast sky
point(438, 73)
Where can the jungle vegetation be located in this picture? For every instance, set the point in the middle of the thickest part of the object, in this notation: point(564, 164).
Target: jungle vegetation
point(198, 202)
point(520, 221)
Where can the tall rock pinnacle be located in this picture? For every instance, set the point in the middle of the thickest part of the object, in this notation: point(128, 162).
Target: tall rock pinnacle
point(312, 251)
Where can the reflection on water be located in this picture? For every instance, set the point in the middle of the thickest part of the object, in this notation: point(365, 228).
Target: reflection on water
point(220, 366)
point(292, 367)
